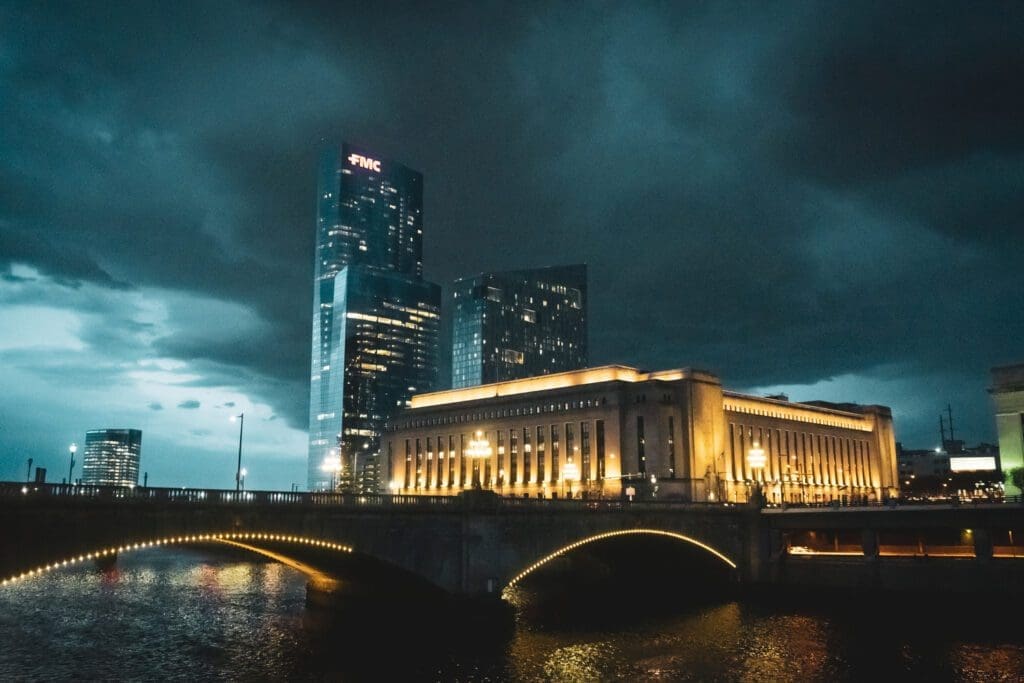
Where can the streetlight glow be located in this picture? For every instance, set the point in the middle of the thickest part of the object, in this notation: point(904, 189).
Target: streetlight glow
point(479, 448)
point(73, 448)
point(755, 457)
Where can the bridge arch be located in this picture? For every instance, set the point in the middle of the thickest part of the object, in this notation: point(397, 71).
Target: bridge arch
point(611, 534)
point(230, 537)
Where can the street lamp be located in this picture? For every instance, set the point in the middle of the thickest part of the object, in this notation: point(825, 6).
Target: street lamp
point(332, 464)
point(570, 473)
point(756, 461)
point(479, 448)
point(238, 471)
point(72, 449)
point(243, 473)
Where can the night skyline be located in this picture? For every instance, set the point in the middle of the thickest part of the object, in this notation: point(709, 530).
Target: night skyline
point(812, 199)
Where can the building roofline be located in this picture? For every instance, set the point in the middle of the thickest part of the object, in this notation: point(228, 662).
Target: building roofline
point(795, 404)
point(560, 380)
point(517, 271)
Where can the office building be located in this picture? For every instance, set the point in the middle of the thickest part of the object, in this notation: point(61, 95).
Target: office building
point(613, 431)
point(375, 320)
point(519, 323)
point(1008, 400)
point(112, 457)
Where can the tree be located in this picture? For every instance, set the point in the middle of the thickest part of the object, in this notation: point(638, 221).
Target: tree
point(1016, 477)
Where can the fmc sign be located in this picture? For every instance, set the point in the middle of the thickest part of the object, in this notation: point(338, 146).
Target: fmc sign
point(364, 162)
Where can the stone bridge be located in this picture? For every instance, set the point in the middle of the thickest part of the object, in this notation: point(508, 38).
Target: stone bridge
point(473, 544)
point(477, 543)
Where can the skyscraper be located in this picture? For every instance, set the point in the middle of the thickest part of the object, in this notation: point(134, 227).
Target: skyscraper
point(112, 457)
point(375, 320)
point(519, 323)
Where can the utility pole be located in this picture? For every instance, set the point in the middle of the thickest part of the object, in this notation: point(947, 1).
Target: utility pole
point(949, 409)
point(28, 472)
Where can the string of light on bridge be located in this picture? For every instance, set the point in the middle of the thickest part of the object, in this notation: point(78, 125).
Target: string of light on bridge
point(609, 534)
point(173, 540)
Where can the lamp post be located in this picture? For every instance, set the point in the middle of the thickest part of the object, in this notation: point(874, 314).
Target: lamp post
point(756, 461)
point(72, 449)
point(238, 471)
point(570, 473)
point(332, 464)
point(479, 449)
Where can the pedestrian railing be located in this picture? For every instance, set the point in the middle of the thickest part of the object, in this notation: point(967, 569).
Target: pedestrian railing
point(476, 499)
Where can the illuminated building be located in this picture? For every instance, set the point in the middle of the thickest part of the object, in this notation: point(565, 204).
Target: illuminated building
point(112, 457)
point(1008, 398)
point(672, 434)
point(375, 320)
point(519, 323)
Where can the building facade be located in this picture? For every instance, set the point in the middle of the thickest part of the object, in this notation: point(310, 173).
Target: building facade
point(1008, 400)
point(519, 323)
point(112, 457)
point(614, 431)
point(375, 320)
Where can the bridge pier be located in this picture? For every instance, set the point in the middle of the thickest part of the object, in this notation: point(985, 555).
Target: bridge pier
point(982, 544)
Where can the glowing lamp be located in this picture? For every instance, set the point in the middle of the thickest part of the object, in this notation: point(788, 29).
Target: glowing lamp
point(755, 457)
point(570, 471)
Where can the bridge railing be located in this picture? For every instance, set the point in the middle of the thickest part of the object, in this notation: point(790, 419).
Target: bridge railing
point(952, 501)
point(143, 494)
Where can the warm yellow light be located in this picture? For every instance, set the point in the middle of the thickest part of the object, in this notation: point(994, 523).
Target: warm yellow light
point(610, 534)
point(479, 448)
point(755, 457)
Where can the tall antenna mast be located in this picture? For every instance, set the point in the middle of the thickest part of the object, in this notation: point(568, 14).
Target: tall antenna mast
point(942, 428)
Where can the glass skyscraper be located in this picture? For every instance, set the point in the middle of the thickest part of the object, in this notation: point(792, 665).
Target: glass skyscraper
point(519, 323)
point(112, 457)
point(375, 320)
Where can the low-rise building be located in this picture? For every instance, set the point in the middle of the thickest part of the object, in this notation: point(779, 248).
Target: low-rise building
point(615, 430)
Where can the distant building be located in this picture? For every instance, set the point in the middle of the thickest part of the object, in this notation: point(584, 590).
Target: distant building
point(375, 320)
point(1008, 399)
point(112, 457)
point(519, 323)
point(953, 470)
point(607, 431)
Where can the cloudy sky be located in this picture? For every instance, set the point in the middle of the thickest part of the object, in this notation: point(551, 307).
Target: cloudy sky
point(819, 198)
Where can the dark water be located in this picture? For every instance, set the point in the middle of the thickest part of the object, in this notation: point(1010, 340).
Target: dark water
point(202, 615)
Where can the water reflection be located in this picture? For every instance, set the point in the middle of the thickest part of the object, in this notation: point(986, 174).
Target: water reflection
point(201, 614)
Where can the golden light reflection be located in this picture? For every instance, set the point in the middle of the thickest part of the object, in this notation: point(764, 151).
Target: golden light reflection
point(175, 540)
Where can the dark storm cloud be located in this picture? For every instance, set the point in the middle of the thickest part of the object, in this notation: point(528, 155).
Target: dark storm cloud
point(156, 406)
point(189, 405)
point(782, 193)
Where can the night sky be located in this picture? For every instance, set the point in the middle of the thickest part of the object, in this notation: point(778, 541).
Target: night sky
point(823, 199)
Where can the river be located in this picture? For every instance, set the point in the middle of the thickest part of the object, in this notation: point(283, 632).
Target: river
point(200, 614)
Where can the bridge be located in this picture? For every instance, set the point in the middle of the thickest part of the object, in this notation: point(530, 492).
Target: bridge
point(478, 543)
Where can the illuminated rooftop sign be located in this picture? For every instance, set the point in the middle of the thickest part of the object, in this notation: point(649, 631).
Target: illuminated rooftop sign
point(364, 162)
point(972, 464)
